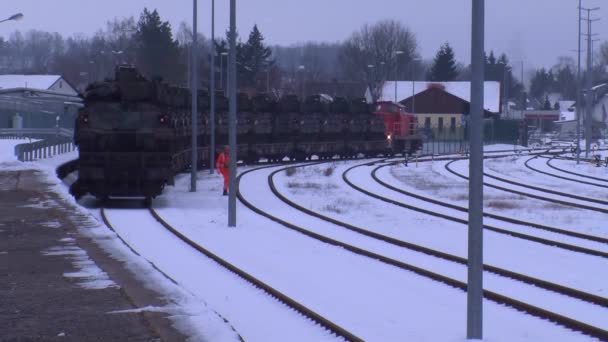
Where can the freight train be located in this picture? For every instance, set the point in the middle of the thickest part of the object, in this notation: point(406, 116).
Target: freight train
point(134, 135)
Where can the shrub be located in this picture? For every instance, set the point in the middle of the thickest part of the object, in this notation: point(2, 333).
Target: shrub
point(291, 171)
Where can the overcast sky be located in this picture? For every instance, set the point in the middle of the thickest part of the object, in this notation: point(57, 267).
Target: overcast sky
point(536, 31)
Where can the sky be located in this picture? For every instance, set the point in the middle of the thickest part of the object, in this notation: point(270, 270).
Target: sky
point(536, 31)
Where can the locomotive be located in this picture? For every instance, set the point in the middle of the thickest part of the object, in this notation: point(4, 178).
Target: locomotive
point(134, 135)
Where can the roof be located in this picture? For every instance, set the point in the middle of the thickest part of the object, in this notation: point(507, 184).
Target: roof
point(461, 89)
point(42, 82)
point(565, 115)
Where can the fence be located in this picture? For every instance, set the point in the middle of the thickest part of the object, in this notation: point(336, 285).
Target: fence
point(53, 141)
point(449, 140)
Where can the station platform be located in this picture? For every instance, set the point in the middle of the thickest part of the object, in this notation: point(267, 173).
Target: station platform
point(57, 284)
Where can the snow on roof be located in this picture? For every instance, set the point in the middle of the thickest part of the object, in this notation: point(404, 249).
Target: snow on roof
point(566, 105)
point(461, 89)
point(43, 82)
point(565, 115)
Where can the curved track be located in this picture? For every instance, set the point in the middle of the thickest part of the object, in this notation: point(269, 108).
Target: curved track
point(548, 228)
point(494, 296)
point(582, 202)
point(284, 299)
point(575, 173)
point(579, 181)
point(543, 241)
point(446, 256)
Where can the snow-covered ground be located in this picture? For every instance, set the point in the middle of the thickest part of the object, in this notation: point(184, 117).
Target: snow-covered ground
point(375, 301)
point(190, 313)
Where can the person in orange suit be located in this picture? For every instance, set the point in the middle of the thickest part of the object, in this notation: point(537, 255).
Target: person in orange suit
point(222, 165)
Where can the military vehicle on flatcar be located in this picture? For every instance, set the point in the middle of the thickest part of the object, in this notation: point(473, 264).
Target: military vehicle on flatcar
point(134, 134)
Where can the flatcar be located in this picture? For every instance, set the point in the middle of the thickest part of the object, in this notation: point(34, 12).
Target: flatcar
point(134, 135)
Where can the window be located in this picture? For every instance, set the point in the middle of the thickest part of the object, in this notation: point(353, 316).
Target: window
point(440, 125)
point(452, 124)
point(60, 84)
point(427, 123)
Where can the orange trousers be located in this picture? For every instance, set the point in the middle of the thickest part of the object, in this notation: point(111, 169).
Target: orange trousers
point(225, 174)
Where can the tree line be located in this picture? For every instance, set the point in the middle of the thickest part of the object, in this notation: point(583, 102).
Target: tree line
point(386, 50)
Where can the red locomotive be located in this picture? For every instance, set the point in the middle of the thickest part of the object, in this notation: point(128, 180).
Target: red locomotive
point(400, 127)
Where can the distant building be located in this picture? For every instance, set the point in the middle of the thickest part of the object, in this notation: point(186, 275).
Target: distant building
point(37, 101)
point(440, 106)
point(55, 83)
point(541, 120)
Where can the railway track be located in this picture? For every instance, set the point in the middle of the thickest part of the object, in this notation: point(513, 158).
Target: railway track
point(499, 230)
point(65, 169)
point(435, 253)
point(252, 280)
point(579, 181)
point(286, 300)
point(548, 228)
point(575, 173)
point(493, 296)
point(582, 202)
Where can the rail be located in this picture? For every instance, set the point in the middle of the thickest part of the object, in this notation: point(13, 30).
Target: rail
point(52, 141)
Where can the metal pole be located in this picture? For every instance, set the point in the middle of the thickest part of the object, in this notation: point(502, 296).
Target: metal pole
point(578, 88)
point(212, 104)
point(221, 71)
point(589, 96)
point(194, 92)
point(475, 248)
point(232, 118)
point(413, 92)
point(396, 72)
point(268, 80)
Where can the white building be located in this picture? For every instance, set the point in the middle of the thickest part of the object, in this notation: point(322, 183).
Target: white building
point(462, 89)
point(54, 83)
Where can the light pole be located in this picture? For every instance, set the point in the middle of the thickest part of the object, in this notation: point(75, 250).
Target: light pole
point(302, 68)
point(15, 17)
point(397, 53)
point(414, 59)
point(212, 102)
point(117, 53)
point(268, 80)
point(370, 68)
point(475, 236)
point(91, 71)
point(232, 118)
point(222, 69)
point(194, 92)
point(578, 87)
point(589, 95)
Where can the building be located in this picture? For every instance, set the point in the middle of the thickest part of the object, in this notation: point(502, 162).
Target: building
point(37, 101)
point(441, 107)
point(54, 83)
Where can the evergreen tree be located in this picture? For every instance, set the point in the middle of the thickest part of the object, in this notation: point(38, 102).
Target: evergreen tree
point(490, 68)
point(256, 57)
point(444, 65)
point(547, 105)
point(541, 83)
point(565, 83)
point(156, 51)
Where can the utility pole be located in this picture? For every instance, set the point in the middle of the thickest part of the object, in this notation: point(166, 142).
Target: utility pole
point(212, 95)
point(397, 53)
point(475, 241)
point(194, 93)
point(232, 118)
point(589, 96)
point(578, 87)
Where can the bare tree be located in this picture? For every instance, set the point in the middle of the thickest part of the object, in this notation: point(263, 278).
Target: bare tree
point(370, 54)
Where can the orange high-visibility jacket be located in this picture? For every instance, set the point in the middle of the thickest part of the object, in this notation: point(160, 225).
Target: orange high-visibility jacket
point(222, 162)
